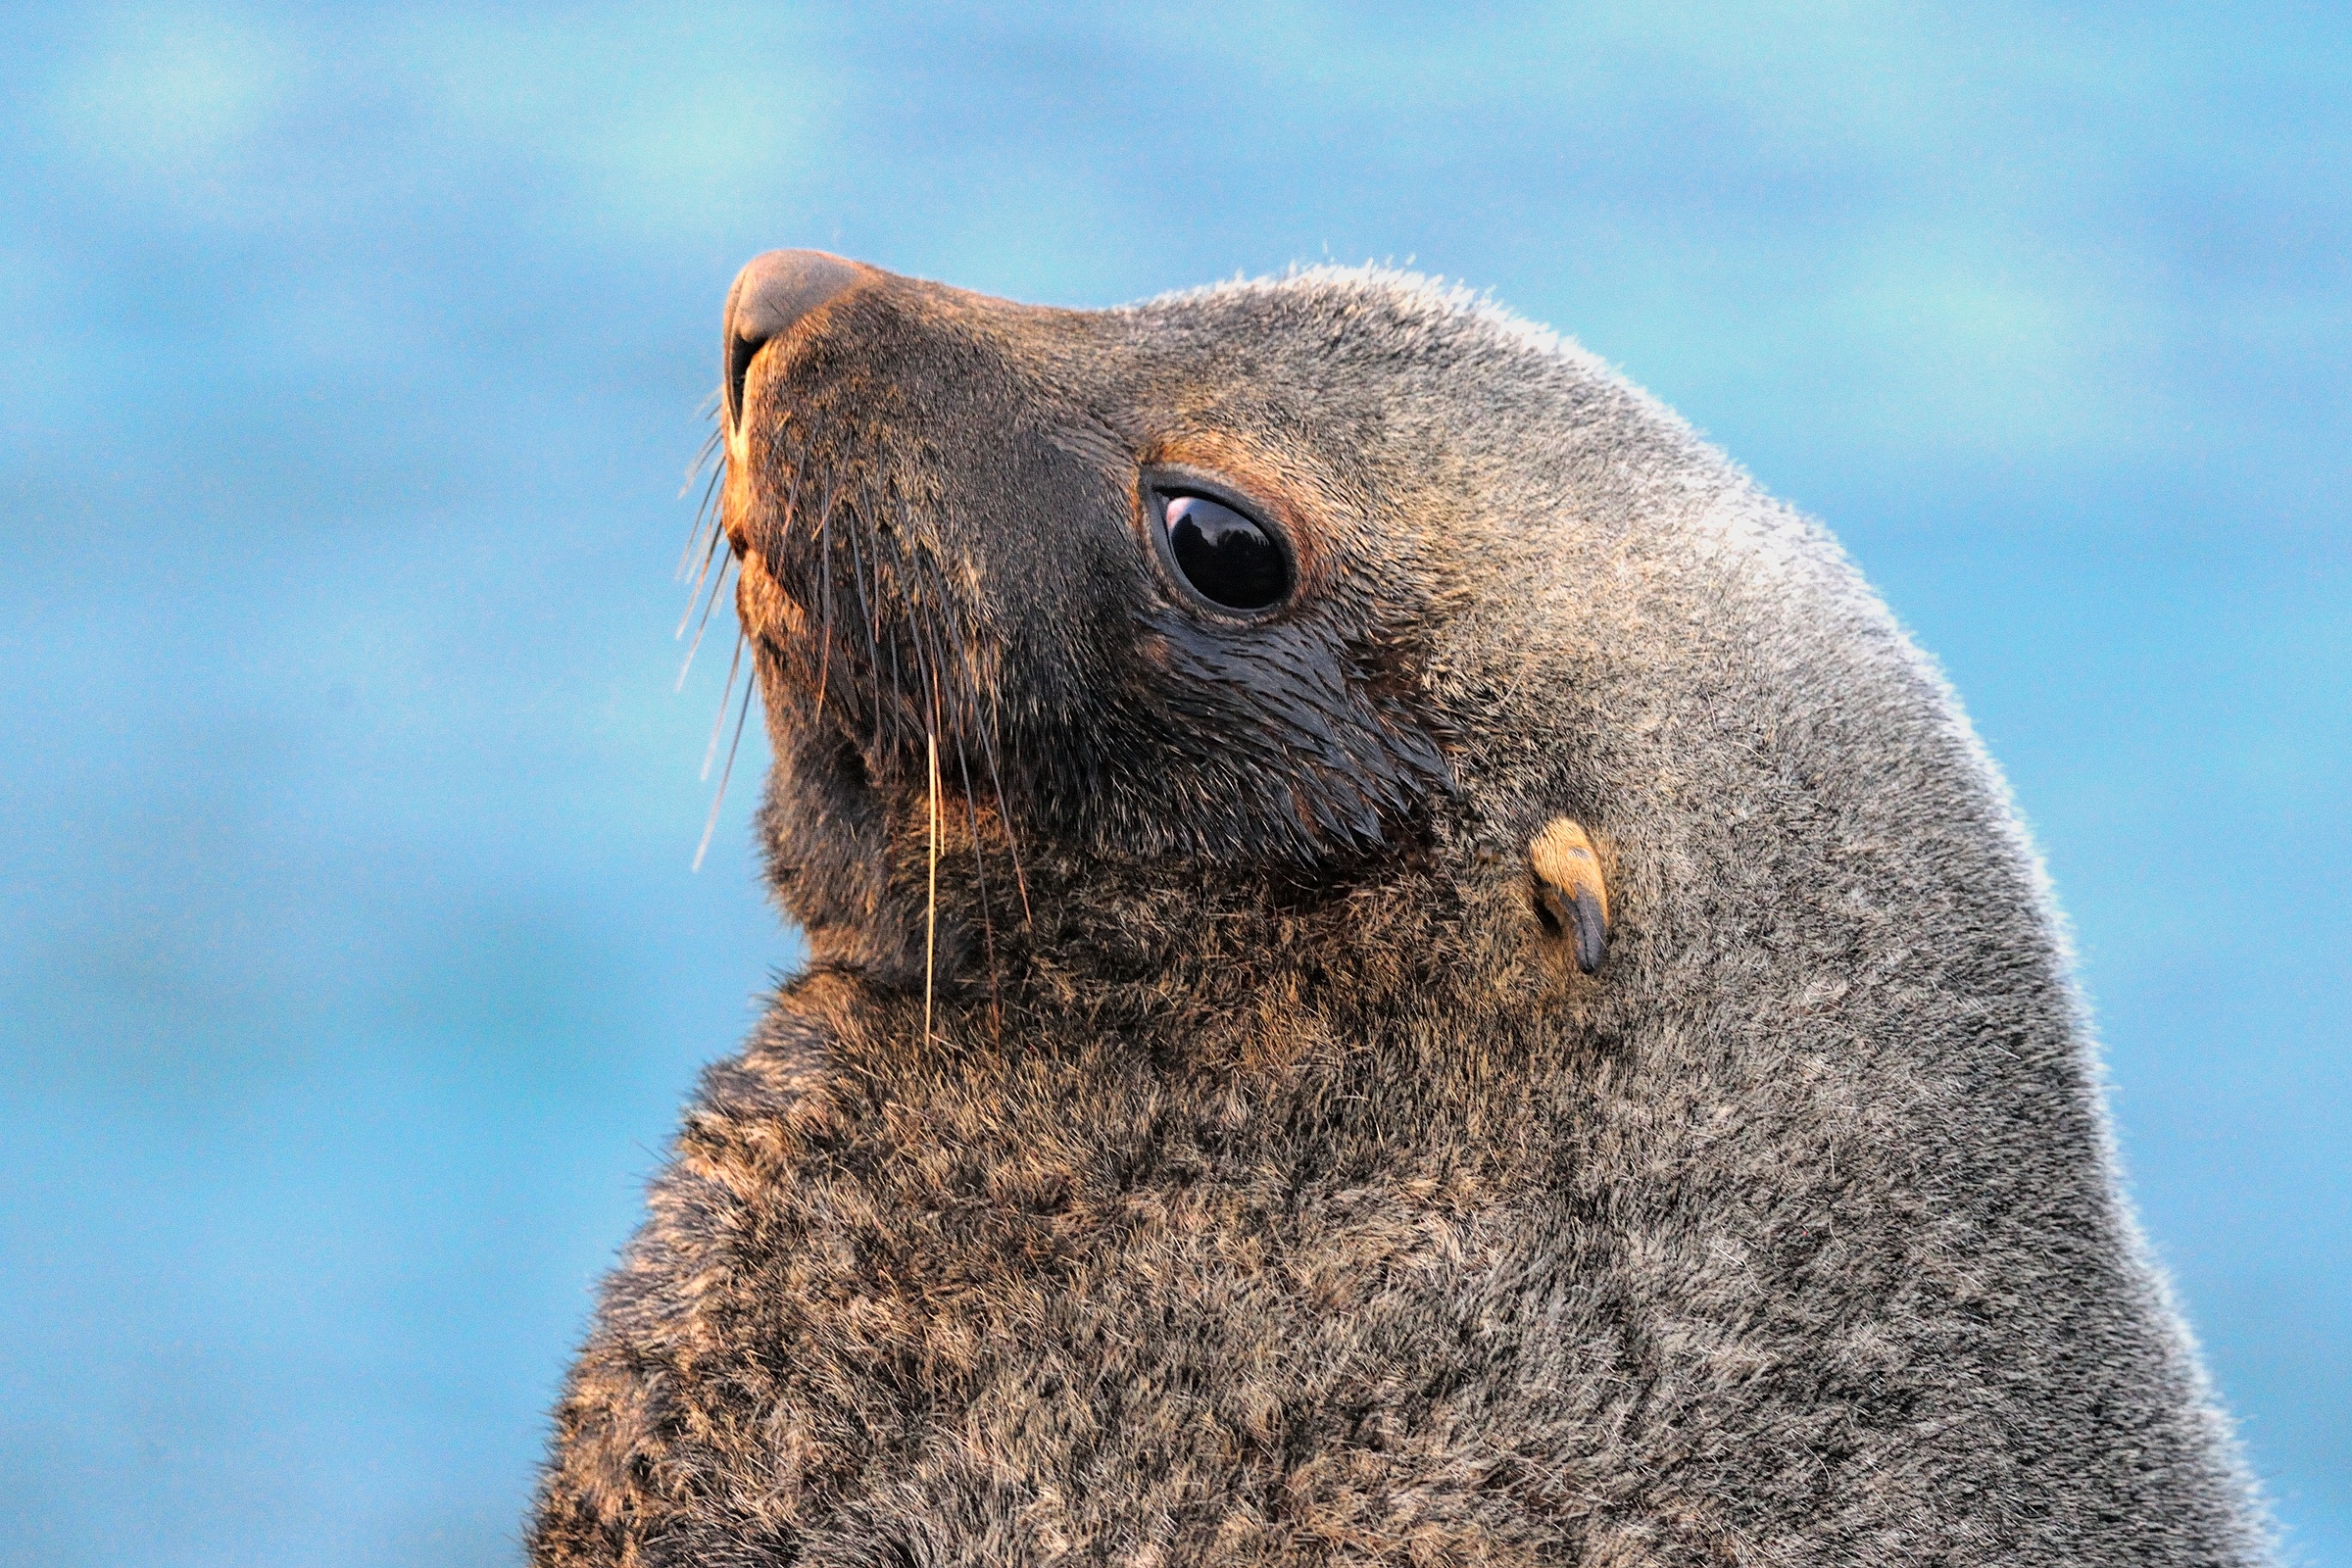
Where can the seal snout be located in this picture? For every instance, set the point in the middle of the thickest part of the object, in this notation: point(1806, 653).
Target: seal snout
point(773, 294)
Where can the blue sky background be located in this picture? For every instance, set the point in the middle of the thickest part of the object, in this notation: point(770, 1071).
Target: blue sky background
point(351, 967)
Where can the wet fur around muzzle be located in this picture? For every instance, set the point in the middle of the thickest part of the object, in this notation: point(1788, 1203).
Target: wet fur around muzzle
point(1203, 1132)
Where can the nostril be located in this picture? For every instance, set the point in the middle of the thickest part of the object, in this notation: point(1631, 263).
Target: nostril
point(771, 295)
point(740, 353)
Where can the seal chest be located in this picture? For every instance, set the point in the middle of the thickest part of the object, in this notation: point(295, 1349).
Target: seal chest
point(1402, 969)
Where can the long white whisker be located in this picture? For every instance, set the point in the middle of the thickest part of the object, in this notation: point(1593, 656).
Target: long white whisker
point(716, 589)
point(710, 752)
point(712, 825)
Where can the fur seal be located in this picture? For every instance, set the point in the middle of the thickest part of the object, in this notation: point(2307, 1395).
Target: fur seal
point(1403, 968)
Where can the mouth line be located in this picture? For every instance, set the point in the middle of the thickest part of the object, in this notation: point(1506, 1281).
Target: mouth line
point(767, 609)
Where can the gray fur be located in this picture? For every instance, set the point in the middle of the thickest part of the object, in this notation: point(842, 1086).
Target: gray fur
point(1275, 1191)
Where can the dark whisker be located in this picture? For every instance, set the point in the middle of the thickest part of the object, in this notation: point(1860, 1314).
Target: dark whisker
point(905, 590)
point(898, 696)
point(824, 577)
point(792, 497)
point(874, 640)
point(987, 929)
point(931, 907)
point(908, 581)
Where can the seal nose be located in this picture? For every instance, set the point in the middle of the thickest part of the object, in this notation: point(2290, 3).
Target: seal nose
point(772, 292)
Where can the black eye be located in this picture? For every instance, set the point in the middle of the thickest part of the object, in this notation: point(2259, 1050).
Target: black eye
point(1229, 559)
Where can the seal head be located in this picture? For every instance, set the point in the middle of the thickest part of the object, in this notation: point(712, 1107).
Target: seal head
point(928, 566)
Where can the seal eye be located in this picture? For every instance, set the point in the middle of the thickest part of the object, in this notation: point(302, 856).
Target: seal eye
point(1229, 559)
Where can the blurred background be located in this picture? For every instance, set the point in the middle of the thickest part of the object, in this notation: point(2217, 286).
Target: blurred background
point(351, 966)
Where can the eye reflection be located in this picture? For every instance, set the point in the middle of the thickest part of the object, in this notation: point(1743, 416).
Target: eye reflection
point(1229, 559)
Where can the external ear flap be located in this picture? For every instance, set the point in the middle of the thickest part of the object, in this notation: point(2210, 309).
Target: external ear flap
point(1570, 894)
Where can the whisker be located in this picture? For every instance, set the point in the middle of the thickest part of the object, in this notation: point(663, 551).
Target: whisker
point(911, 558)
point(792, 497)
point(712, 825)
point(898, 696)
point(712, 549)
point(971, 810)
point(710, 752)
point(988, 929)
point(921, 606)
point(931, 914)
point(1013, 840)
point(987, 749)
point(873, 639)
point(702, 577)
point(824, 576)
point(922, 588)
point(713, 603)
point(705, 514)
